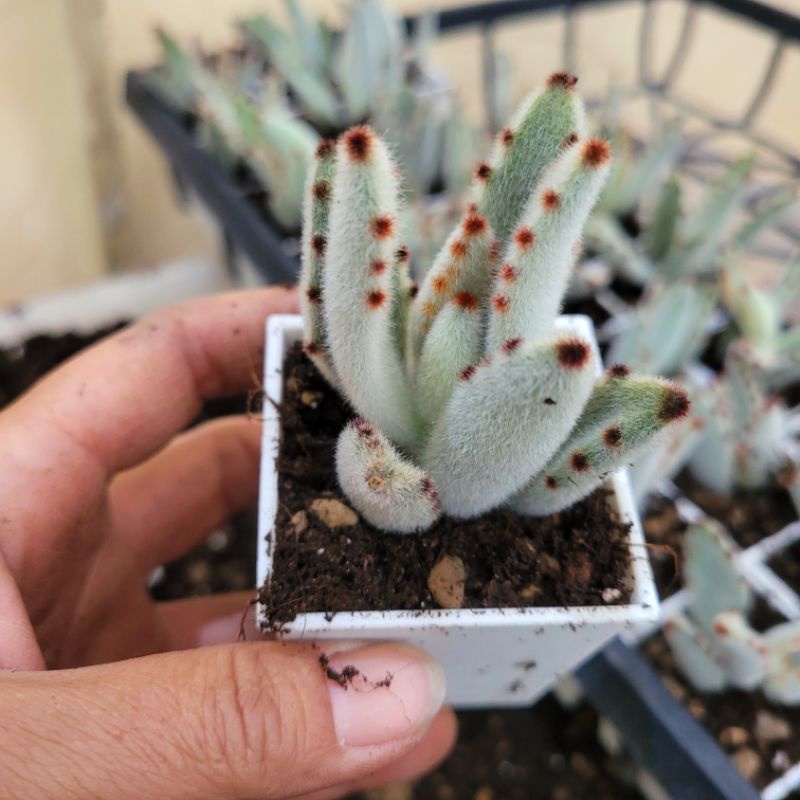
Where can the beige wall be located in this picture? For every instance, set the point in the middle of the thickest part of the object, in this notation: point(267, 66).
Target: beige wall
point(86, 189)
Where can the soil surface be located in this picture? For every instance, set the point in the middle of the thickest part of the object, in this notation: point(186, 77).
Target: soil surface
point(748, 514)
point(542, 753)
point(760, 737)
point(344, 564)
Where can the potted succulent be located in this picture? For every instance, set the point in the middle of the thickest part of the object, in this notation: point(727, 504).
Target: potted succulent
point(481, 415)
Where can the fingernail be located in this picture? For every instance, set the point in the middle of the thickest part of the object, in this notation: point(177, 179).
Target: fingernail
point(383, 693)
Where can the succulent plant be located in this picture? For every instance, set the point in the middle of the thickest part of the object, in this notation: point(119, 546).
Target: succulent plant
point(469, 396)
point(713, 643)
point(747, 431)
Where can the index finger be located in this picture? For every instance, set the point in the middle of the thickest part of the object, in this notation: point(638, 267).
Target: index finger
point(123, 399)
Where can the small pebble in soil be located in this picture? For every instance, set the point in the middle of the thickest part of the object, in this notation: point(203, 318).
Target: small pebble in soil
point(611, 595)
point(733, 737)
point(334, 513)
point(748, 762)
point(299, 522)
point(770, 728)
point(446, 582)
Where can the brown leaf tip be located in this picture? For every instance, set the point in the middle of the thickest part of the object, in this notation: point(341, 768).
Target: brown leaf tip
point(506, 136)
point(500, 303)
point(595, 153)
point(483, 171)
point(474, 224)
point(550, 200)
point(572, 353)
point(569, 140)
point(508, 273)
point(524, 237)
point(458, 248)
point(318, 244)
point(375, 299)
point(382, 227)
point(311, 348)
point(377, 267)
point(550, 482)
point(413, 290)
point(364, 429)
point(325, 148)
point(579, 461)
point(358, 142)
point(467, 372)
point(510, 345)
point(402, 254)
point(314, 294)
point(566, 80)
point(466, 300)
point(612, 436)
point(618, 371)
point(675, 404)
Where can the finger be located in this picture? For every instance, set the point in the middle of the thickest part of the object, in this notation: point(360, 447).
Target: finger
point(247, 720)
point(174, 500)
point(426, 755)
point(119, 402)
point(203, 621)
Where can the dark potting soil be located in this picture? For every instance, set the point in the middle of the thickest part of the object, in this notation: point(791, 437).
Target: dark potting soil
point(760, 737)
point(748, 514)
point(541, 753)
point(569, 558)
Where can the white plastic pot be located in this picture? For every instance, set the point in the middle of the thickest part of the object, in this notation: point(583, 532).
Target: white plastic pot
point(492, 657)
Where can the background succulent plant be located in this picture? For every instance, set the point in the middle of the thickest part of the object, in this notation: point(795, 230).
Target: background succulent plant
point(713, 643)
point(372, 71)
point(238, 123)
point(469, 396)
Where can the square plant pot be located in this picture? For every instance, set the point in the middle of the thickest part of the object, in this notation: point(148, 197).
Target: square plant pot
point(492, 657)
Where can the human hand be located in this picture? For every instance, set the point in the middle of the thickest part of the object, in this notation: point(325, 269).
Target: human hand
point(107, 694)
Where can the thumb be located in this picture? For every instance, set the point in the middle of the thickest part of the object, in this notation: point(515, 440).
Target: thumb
point(258, 720)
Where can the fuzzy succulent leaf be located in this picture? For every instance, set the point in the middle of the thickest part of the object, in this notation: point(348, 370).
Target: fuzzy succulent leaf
point(711, 573)
point(357, 288)
point(389, 491)
point(462, 265)
point(524, 151)
point(622, 417)
point(316, 223)
point(767, 215)
point(454, 342)
point(505, 419)
point(694, 654)
point(537, 261)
